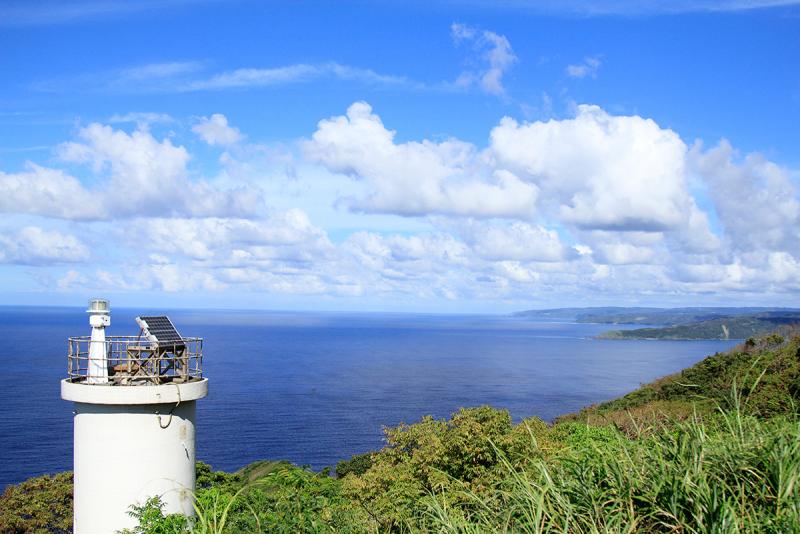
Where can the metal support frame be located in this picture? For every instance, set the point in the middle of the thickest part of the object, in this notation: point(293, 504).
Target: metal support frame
point(135, 361)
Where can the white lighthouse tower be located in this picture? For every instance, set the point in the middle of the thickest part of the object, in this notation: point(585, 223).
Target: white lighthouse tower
point(134, 424)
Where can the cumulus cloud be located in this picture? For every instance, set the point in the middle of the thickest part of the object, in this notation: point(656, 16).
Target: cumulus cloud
point(33, 245)
point(495, 56)
point(415, 178)
point(588, 67)
point(48, 192)
point(172, 278)
point(287, 236)
point(595, 171)
point(623, 253)
point(397, 258)
point(755, 199)
point(425, 266)
point(517, 241)
point(137, 175)
point(616, 186)
point(595, 205)
point(599, 171)
point(215, 130)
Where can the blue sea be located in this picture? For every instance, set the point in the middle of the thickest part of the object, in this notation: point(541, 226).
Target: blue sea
point(316, 388)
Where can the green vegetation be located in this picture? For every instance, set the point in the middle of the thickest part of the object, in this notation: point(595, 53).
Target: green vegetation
point(765, 371)
point(715, 448)
point(262, 497)
point(357, 465)
point(40, 504)
point(731, 327)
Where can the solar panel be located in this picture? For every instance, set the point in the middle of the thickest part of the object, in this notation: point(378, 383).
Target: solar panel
point(159, 329)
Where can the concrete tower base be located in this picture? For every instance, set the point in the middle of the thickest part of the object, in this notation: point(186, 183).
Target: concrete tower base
point(131, 443)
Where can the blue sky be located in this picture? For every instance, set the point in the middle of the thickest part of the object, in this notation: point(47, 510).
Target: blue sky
point(425, 156)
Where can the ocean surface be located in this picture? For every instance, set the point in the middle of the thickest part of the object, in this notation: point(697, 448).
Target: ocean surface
point(316, 388)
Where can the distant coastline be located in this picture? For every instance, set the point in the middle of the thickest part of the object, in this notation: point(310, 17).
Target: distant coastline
point(678, 323)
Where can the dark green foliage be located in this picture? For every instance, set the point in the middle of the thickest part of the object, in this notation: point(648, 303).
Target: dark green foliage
point(38, 505)
point(357, 465)
point(206, 478)
point(766, 371)
point(730, 327)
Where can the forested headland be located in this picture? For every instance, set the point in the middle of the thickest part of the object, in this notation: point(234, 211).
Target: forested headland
point(678, 323)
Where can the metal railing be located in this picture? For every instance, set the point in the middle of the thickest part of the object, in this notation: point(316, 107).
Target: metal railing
point(132, 360)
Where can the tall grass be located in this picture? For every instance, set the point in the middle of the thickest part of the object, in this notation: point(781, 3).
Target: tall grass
point(729, 473)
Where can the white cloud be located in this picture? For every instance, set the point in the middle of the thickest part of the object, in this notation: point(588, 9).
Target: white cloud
point(516, 241)
point(71, 280)
point(399, 257)
point(623, 253)
point(153, 71)
point(216, 131)
point(595, 206)
point(615, 185)
point(784, 270)
point(288, 236)
point(251, 77)
point(415, 178)
point(137, 175)
point(50, 193)
point(599, 171)
point(141, 119)
point(514, 271)
point(425, 266)
point(32, 245)
point(696, 237)
point(755, 200)
point(588, 67)
point(301, 72)
point(496, 56)
point(187, 76)
point(172, 278)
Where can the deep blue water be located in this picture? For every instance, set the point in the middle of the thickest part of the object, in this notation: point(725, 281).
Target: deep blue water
point(315, 388)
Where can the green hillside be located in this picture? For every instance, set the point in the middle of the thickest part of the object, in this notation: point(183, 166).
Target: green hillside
point(765, 372)
point(727, 327)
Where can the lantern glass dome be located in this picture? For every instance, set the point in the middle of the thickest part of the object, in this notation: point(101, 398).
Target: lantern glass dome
point(99, 306)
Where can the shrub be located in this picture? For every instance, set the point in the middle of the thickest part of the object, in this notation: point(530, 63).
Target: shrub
point(357, 465)
point(40, 504)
